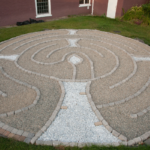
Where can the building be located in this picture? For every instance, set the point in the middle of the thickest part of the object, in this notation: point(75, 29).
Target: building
point(12, 11)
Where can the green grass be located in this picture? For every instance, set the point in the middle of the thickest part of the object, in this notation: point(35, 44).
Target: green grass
point(82, 22)
point(9, 144)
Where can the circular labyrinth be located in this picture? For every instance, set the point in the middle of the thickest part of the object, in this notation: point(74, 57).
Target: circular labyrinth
point(40, 71)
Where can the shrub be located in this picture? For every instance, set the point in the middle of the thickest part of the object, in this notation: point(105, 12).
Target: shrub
point(146, 8)
point(134, 13)
point(138, 15)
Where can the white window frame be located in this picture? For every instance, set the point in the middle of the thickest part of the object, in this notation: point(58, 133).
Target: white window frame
point(85, 5)
point(46, 14)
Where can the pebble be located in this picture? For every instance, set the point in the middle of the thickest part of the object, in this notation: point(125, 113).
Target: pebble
point(76, 124)
point(64, 107)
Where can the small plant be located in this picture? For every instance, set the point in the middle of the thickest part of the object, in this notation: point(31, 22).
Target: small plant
point(103, 15)
point(138, 14)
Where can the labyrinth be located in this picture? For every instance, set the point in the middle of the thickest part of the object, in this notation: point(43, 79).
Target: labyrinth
point(75, 87)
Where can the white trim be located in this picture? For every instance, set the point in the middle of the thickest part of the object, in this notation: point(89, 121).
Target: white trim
point(43, 15)
point(84, 5)
point(92, 7)
point(112, 8)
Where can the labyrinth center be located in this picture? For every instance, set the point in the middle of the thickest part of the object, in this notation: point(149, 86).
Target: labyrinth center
point(67, 81)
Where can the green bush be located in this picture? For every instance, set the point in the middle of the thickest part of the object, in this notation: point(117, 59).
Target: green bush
point(138, 15)
point(146, 8)
point(134, 13)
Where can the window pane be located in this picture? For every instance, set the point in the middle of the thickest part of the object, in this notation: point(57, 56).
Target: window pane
point(86, 1)
point(42, 6)
point(81, 1)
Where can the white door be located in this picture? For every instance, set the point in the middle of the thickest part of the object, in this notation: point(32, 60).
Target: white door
point(111, 8)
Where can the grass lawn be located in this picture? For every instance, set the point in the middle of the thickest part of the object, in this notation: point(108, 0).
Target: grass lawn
point(77, 22)
point(9, 144)
point(82, 22)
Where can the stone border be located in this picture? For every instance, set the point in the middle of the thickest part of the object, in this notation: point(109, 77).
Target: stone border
point(28, 86)
point(141, 113)
point(134, 63)
point(51, 77)
point(10, 132)
point(51, 119)
point(25, 39)
point(103, 76)
point(57, 143)
point(54, 52)
point(20, 40)
point(108, 33)
point(127, 98)
point(74, 65)
point(115, 133)
point(99, 116)
point(32, 57)
point(143, 59)
point(101, 56)
point(20, 135)
point(99, 106)
point(117, 62)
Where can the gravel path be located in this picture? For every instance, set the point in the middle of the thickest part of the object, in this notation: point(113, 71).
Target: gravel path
point(76, 123)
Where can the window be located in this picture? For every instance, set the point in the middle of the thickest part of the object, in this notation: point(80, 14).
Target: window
point(84, 3)
point(43, 8)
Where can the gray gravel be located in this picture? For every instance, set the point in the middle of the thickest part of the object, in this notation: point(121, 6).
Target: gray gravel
point(76, 124)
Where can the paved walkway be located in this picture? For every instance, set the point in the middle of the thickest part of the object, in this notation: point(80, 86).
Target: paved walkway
point(75, 87)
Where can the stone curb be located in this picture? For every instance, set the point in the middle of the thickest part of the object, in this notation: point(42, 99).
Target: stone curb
point(115, 133)
point(127, 99)
point(141, 113)
point(74, 66)
point(99, 116)
point(10, 132)
point(135, 68)
point(51, 119)
point(28, 37)
point(28, 86)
